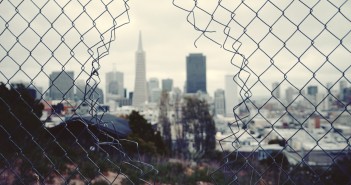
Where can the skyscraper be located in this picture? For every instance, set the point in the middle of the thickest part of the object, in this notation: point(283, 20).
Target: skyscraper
point(153, 84)
point(219, 102)
point(196, 73)
point(312, 92)
point(82, 87)
point(167, 85)
point(153, 89)
point(61, 85)
point(114, 85)
point(140, 90)
point(99, 95)
point(347, 95)
point(230, 95)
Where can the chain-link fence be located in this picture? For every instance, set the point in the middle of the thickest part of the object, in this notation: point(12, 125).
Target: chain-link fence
point(300, 135)
point(60, 134)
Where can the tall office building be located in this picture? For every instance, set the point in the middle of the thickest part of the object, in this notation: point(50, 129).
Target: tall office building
point(140, 90)
point(153, 84)
point(196, 73)
point(347, 95)
point(219, 102)
point(79, 89)
point(40, 91)
point(230, 95)
point(276, 90)
point(99, 95)
point(114, 85)
point(82, 87)
point(312, 90)
point(330, 89)
point(167, 84)
point(61, 85)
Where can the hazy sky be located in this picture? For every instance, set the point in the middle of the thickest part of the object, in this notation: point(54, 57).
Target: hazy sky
point(168, 38)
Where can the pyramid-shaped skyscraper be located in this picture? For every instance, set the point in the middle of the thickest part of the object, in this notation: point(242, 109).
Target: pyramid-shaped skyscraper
point(140, 90)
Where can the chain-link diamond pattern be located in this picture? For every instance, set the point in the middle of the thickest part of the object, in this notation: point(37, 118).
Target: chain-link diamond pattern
point(298, 45)
point(41, 43)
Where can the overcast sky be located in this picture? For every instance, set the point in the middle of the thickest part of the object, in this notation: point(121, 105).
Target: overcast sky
point(168, 38)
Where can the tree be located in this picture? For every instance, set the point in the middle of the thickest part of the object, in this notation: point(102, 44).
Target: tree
point(198, 122)
point(20, 130)
point(149, 140)
point(19, 116)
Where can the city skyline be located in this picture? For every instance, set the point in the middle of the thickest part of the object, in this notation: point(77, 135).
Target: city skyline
point(168, 44)
point(335, 88)
point(321, 89)
point(267, 81)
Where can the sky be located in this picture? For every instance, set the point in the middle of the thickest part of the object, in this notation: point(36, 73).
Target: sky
point(168, 38)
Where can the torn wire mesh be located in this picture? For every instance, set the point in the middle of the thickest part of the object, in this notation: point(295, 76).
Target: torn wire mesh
point(296, 136)
point(42, 42)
